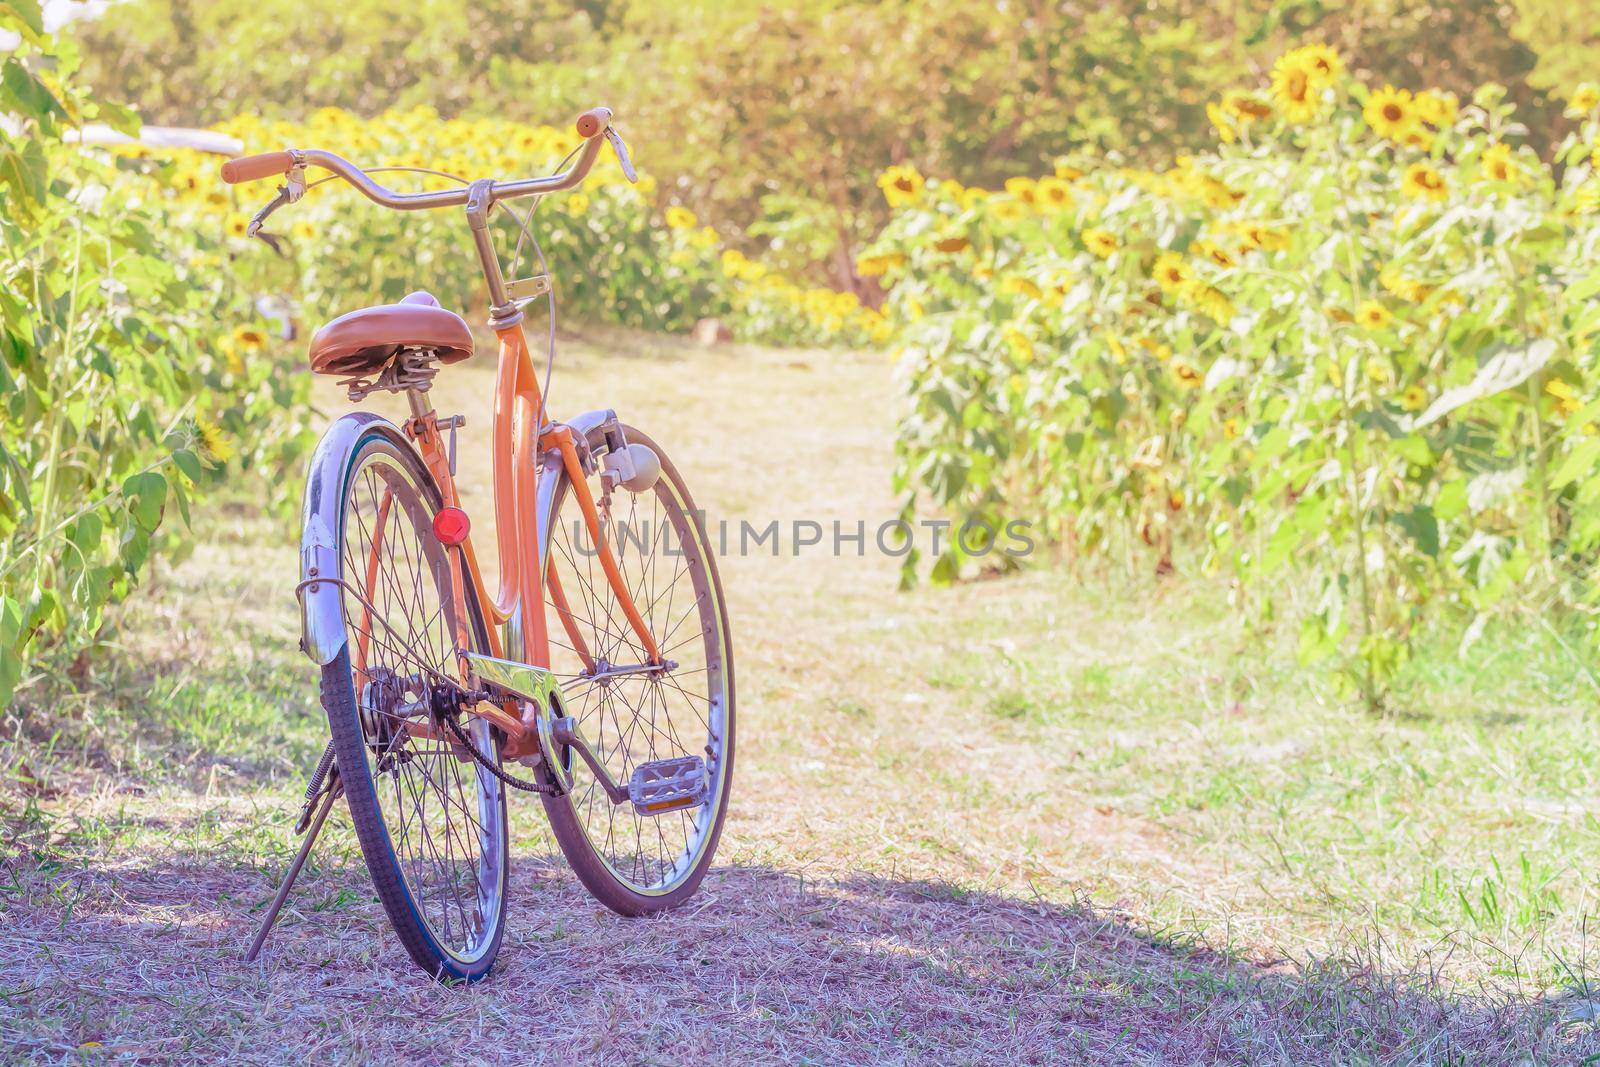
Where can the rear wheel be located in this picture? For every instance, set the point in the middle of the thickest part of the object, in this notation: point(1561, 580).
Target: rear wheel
point(431, 821)
point(636, 863)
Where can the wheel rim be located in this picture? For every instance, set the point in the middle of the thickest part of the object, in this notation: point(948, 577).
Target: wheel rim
point(443, 814)
point(633, 718)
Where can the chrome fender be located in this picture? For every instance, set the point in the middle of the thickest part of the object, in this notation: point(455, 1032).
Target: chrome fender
point(322, 628)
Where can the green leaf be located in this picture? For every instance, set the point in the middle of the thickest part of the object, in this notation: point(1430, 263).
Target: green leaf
point(188, 463)
point(1581, 461)
point(1451, 500)
point(24, 15)
point(25, 171)
point(146, 494)
point(1423, 528)
point(26, 95)
point(1584, 287)
point(1507, 368)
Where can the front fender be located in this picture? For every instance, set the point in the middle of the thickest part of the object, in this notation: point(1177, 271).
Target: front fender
point(322, 627)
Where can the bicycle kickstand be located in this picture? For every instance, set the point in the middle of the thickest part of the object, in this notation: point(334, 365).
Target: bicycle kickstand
point(326, 771)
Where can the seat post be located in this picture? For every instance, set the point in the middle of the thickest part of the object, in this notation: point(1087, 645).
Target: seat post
point(421, 406)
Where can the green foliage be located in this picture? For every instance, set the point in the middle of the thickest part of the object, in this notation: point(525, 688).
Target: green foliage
point(732, 102)
point(115, 406)
point(612, 254)
point(1366, 362)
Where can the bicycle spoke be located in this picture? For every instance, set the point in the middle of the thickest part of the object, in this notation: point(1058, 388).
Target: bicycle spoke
point(631, 719)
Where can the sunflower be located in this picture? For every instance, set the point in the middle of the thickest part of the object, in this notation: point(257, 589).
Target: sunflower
point(1391, 112)
point(1499, 165)
point(1373, 315)
point(1186, 374)
point(303, 231)
point(1435, 108)
point(1320, 62)
point(1018, 343)
point(1583, 100)
point(681, 218)
point(1019, 286)
point(1026, 190)
point(1418, 137)
point(1407, 289)
point(1245, 107)
point(952, 245)
point(1216, 254)
point(578, 203)
point(1586, 198)
point(249, 338)
point(1100, 242)
point(1007, 208)
point(1266, 238)
point(238, 226)
point(1422, 182)
point(1054, 193)
point(1415, 398)
point(1209, 299)
point(213, 442)
point(1292, 89)
point(1171, 271)
point(1066, 171)
point(972, 197)
point(901, 185)
point(1567, 401)
point(1231, 430)
point(875, 266)
point(1219, 120)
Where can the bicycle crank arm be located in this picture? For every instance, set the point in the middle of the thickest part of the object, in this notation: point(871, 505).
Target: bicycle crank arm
point(655, 788)
point(566, 733)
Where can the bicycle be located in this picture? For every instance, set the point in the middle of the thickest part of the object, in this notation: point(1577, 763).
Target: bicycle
point(599, 679)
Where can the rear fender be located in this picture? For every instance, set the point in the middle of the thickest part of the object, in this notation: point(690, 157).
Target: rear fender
point(322, 626)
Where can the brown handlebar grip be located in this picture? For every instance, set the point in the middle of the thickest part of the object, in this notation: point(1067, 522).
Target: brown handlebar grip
point(593, 121)
point(253, 168)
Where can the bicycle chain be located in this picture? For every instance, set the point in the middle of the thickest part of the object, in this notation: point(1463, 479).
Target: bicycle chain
point(493, 768)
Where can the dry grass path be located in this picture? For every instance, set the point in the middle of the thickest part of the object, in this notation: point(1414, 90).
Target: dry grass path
point(961, 828)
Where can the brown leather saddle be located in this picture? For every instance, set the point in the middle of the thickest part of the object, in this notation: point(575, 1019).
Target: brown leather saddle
point(362, 342)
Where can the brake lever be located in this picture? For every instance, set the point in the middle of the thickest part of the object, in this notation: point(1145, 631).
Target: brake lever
point(293, 189)
point(622, 155)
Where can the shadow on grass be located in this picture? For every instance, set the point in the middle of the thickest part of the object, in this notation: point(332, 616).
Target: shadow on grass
point(764, 965)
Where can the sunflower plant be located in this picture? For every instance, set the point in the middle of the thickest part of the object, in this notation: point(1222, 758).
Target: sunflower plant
point(1345, 358)
point(615, 250)
point(124, 391)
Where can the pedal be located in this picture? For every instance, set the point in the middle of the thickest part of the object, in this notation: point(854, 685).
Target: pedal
point(665, 785)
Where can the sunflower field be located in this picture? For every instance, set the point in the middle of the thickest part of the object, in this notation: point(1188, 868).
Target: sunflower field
point(614, 253)
point(1352, 345)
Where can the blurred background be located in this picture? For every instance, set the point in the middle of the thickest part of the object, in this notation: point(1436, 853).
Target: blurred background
point(773, 121)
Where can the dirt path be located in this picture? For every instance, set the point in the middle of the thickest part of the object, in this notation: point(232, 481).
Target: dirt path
point(903, 861)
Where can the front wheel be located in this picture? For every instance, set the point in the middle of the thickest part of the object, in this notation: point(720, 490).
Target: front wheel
point(636, 863)
point(430, 819)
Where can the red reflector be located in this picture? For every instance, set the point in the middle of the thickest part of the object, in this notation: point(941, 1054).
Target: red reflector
point(451, 526)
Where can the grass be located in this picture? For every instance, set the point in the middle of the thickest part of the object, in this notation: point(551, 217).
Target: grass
point(1036, 819)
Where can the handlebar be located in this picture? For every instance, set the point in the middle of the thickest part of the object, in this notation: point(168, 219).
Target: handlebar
point(593, 125)
point(593, 121)
point(250, 168)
